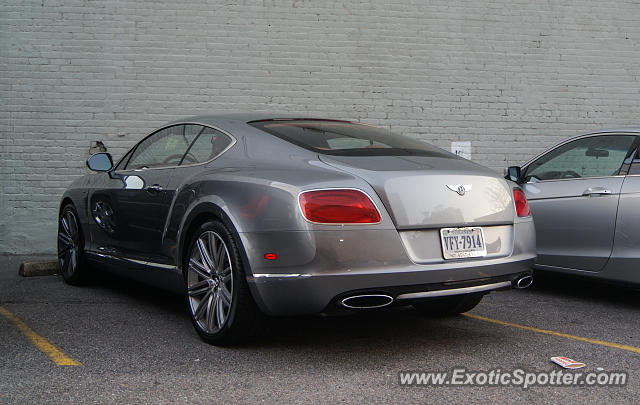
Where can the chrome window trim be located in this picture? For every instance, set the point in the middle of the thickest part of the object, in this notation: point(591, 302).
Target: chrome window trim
point(576, 178)
point(233, 142)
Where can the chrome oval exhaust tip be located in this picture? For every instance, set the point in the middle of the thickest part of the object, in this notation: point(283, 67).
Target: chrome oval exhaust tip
point(366, 301)
point(523, 282)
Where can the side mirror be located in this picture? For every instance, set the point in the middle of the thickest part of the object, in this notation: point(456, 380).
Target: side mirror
point(513, 173)
point(100, 162)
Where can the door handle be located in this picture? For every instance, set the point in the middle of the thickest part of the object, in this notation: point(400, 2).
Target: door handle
point(155, 189)
point(596, 191)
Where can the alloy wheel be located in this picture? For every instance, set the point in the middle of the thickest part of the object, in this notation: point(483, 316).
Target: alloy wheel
point(210, 282)
point(68, 243)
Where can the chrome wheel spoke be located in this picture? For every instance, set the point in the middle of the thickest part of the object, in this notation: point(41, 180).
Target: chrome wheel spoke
point(199, 269)
point(67, 262)
point(74, 259)
point(204, 255)
point(64, 238)
point(220, 313)
point(73, 226)
point(211, 313)
point(202, 305)
point(65, 225)
point(225, 295)
point(221, 257)
point(211, 246)
point(199, 288)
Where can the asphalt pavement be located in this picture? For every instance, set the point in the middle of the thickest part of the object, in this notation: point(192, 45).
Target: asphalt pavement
point(135, 344)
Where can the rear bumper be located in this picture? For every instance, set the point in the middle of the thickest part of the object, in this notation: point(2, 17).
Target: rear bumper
point(316, 269)
point(306, 294)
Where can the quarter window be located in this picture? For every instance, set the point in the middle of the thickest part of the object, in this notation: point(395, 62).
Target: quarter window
point(596, 156)
point(209, 144)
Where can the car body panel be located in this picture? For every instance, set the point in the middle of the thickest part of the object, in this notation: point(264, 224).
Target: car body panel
point(253, 188)
point(574, 230)
point(586, 226)
point(129, 218)
point(415, 190)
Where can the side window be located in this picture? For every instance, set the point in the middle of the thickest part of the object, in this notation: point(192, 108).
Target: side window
point(163, 148)
point(595, 156)
point(208, 145)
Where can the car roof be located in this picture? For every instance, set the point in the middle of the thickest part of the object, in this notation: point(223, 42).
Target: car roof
point(612, 131)
point(220, 119)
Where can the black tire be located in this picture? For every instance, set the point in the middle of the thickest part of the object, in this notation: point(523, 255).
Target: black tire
point(71, 259)
point(242, 319)
point(448, 306)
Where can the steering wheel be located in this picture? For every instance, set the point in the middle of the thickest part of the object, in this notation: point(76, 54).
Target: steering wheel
point(188, 158)
point(570, 174)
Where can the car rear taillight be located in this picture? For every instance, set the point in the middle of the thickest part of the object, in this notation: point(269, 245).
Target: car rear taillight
point(340, 206)
point(522, 205)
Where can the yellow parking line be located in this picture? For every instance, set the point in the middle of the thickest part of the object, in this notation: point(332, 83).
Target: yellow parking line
point(56, 355)
point(550, 332)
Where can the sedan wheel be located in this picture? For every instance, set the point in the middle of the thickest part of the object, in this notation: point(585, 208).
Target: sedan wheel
point(221, 306)
point(70, 247)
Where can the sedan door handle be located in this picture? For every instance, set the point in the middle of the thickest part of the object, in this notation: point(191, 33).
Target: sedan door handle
point(596, 191)
point(155, 189)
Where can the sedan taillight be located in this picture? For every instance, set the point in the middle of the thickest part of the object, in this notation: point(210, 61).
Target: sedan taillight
point(340, 206)
point(522, 205)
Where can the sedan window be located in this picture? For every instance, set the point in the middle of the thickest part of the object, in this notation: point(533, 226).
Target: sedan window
point(163, 148)
point(595, 156)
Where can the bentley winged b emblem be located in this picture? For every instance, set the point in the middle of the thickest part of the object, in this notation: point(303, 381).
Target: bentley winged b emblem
point(459, 188)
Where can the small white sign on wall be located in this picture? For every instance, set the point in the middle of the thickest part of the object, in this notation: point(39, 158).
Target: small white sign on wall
point(462, 149)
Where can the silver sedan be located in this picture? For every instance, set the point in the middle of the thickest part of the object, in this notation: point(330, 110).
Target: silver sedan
point(585, 199)
point(249, 215)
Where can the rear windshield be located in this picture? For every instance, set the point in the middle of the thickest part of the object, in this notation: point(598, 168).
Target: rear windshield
point(346, 138)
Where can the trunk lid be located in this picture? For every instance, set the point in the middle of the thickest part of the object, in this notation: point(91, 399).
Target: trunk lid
point(422, 191)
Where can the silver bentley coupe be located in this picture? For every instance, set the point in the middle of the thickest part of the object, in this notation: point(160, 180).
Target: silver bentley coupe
point(249, 215)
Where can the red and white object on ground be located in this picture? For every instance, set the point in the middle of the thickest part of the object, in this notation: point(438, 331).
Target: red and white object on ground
point(566, 362)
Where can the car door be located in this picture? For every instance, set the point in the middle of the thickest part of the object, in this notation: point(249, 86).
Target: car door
point(573, 191)
point(130, 212)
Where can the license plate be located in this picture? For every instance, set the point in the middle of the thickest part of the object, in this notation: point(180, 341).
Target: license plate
point(460, 243)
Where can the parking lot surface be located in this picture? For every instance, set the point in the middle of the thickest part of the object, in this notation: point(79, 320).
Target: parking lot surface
point(135, 344)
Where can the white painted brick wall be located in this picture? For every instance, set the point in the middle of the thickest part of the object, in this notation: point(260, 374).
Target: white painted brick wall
point(513, 77)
